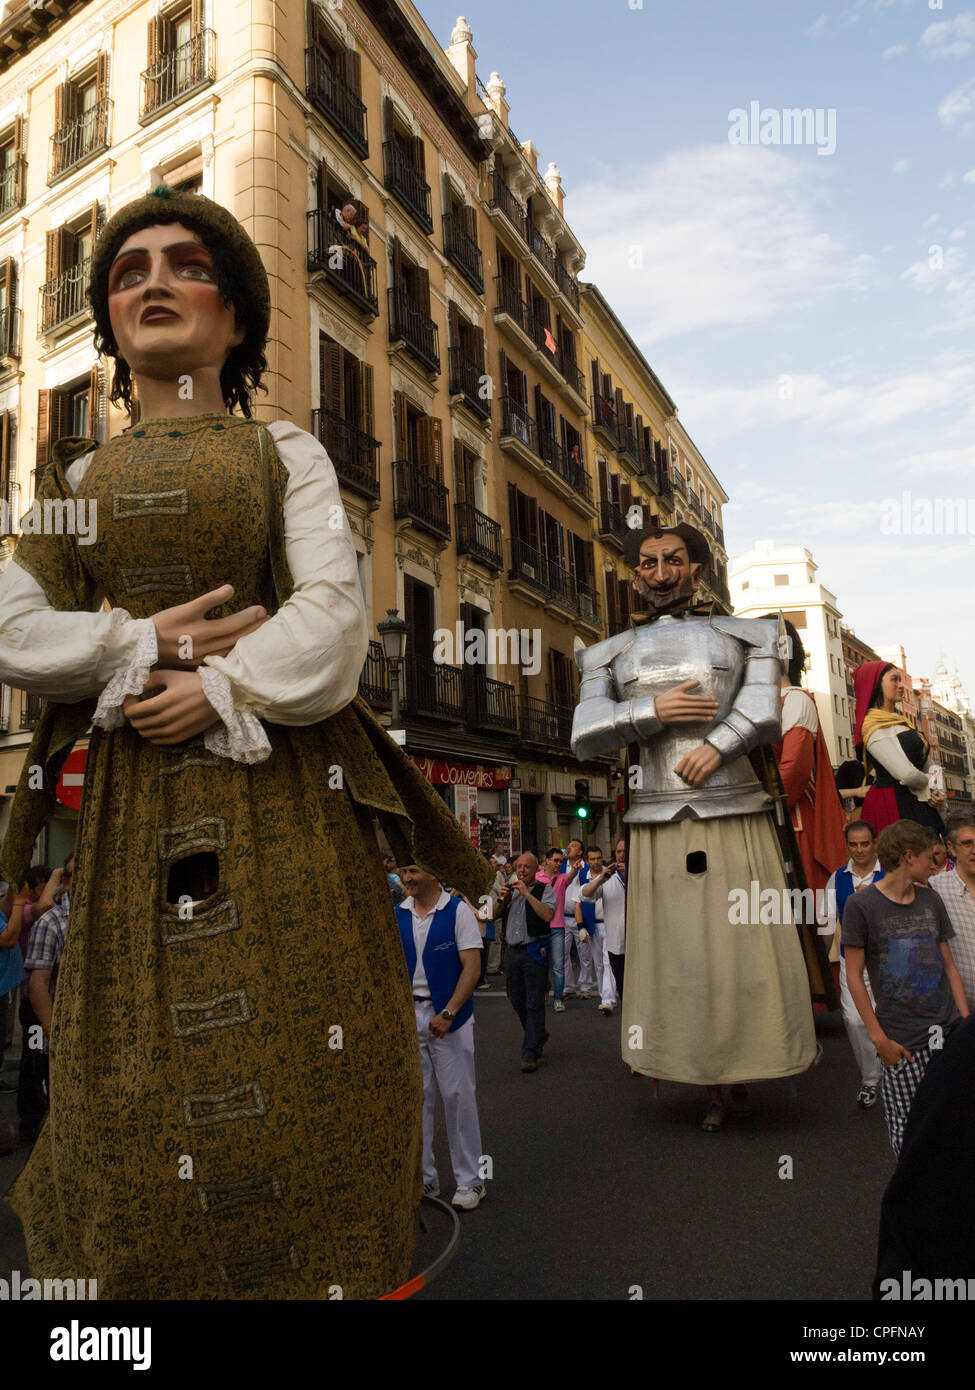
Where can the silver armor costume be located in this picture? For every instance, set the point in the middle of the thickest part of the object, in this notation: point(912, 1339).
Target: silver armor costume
point(707, 1001)
point(734, 659)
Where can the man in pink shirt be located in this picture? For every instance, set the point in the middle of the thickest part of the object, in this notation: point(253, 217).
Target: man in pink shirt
point(551, 872)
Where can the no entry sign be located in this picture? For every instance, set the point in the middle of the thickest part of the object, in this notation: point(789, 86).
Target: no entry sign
point(72, 780)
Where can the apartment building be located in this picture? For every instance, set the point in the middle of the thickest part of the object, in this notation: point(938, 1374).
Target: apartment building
point(773, 578)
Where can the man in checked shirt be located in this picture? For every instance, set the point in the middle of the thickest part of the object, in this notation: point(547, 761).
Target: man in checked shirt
point(957, 891)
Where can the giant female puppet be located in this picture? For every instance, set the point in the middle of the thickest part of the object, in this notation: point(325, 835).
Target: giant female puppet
point(709, 999)
point(895, 751)
point(236, 1094)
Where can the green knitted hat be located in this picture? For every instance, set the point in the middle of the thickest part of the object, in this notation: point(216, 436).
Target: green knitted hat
point(240, 271)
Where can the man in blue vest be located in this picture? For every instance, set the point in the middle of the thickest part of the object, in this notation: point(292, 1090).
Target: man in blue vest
point(442, 944)
point(861, 871)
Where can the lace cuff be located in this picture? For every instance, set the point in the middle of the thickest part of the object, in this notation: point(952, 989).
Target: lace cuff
point(240, 736)
point(129, 680)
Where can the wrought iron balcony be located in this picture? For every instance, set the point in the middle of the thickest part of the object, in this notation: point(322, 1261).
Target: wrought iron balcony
point(13, 186)
point(543, 252)
point(516, 421)
point(604, 418)
point(568, 284)
point(680, 487)
point(411, 326)
point(354, 454)
point(478, 535)
point(434, 689)
point(719, 534)
point(539, 721)
point(334, 98)
point(374, 683)
point(708, 519)
point(575, 473)
point(572, 374)
point(629, 443)
point(551, 451)
point(561, 585)
point(11, 321)
point(404, 180)
point(65, 298)
point(343, 260)
point(510, 302)
point(174, 75)
point(422, 499)
point(78, 140)
point(489, 704)
point(465, 378)
point(612, 522)
point(504, 200)
point(648, 468)
point(587, 602)
point(694, 500)
point(463, 251)
point(528, 565)
point(31, 709)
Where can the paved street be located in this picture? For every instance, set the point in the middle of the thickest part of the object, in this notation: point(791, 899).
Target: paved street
point(598, 1186)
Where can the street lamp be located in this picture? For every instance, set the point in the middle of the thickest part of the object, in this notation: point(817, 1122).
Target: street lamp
point(393, 635)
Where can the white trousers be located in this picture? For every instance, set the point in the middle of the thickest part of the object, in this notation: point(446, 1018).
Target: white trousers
point(856, 1030)
point(586, 981)
point(448, 1064)
point(607, 980)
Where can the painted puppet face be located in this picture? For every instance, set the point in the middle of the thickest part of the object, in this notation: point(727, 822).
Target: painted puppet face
point(166, 311)
point(665, 575)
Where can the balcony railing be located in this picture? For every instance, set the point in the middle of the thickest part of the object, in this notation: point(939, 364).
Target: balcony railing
point(30, 711)
point(354, 454)
point(612, 522)
point(374, 683)
point(550, 450)
point(489, 704)
point(719, 534)
point(434, 689)
point(79, 139)
point(510, 302)
point(13, 186)
point(463, 251)
point(575, 473)
point(572, 374)
point(680, 487)
point(708, 519)
point(561, 584)
point(10, 329)
point(528, 565)
point(568, 284)
point(346, 262)
point(175, 74)
point(336, 100)
point(505, 201)
point(542, 722)
point(542, 250)
point(422, 499)
point(409, 324)
point(629, 443)
point(604, 417)
point(694, 500)
point(516, 422)
point(648, 468)
point(465, 378)
point(478, 535)
point(404, 179)
point(65, 298)
point(587, 603)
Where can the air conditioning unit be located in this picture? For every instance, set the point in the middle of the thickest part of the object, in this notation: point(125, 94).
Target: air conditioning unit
point(529, 571)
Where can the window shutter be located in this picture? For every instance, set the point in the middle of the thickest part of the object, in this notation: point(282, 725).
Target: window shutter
point(612, 612)
point(353, 70)
point(321, 187)
point(588, 563)
point(331, 376)
point(513, 516)
point(388, 110)
point(368, 400)
point(436, 444)
point(477, 337)
point(626, 497)
point(196, 16)
point(8, 343)
point(52, 247)
point(625, 591)
point(402, 444)
point(620, 407)
point(4, 456)
point(602, 468)
point(424, 440)
point(19, 191)
point(504, 372)
point(468, 217)
point(101, 76)
point(43, 455)
point(397, 264)
point(460, 473)
point(539, 404)
point(92, 404)
point(445, 197)
point(62, 105)
point(94, 223)
point(419, 156)
point(423, 290)
point(453, 323)
point(596, 392)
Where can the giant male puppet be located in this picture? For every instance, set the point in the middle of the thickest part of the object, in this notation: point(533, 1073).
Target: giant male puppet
point(712, 1001)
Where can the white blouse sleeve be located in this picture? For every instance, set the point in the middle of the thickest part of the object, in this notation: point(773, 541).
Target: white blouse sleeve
point(304, 663)
point(885, 749)
point(63, 656)
point(798, 710)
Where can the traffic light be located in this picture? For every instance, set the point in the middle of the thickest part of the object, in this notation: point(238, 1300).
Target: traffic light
point(583, 810)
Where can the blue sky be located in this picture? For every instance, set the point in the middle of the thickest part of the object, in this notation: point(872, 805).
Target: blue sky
point(812, 315)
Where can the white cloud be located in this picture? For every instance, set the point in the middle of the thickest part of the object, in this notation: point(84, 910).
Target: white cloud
point(717, 235)
point(950, 38)
point(901, 166)
point(958, 106)
point(894, 50)
point(969, 177)
point(817, 29)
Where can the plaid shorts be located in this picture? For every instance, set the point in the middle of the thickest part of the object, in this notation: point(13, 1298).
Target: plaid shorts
point(897, 1086)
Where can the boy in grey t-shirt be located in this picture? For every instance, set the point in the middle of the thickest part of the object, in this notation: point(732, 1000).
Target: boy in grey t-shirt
point(899, 930)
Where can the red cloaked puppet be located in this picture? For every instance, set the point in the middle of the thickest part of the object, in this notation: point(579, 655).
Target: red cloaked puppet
point(807, 778)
